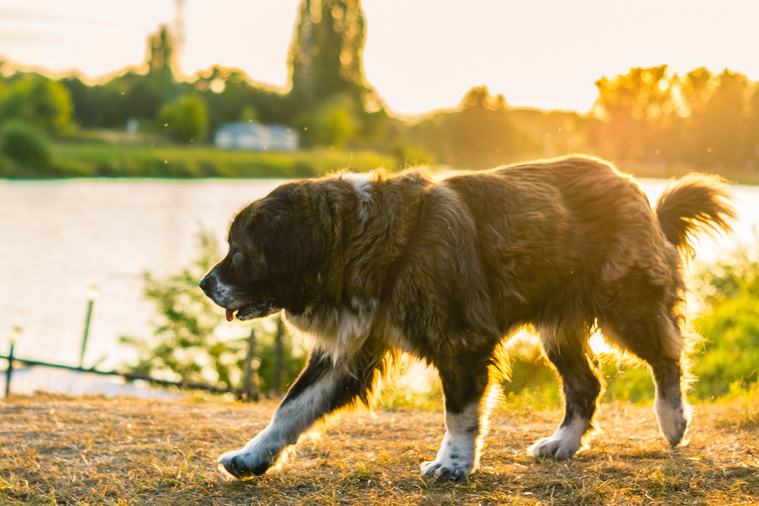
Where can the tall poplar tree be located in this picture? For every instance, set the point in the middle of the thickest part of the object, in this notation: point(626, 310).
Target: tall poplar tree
point(326, 56)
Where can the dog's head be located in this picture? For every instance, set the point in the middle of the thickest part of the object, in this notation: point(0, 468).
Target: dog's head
point(275, 246)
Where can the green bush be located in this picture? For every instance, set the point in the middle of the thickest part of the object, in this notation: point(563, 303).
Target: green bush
point(333, 123)
point(729, 324)
point(26, 145)
point(186, 118)
point(8, 167)
point(38, 100)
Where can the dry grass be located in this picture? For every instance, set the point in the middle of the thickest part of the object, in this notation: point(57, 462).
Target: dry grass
point(58, 450)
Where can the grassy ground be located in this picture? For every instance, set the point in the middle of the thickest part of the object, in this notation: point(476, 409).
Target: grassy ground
point(57, 450)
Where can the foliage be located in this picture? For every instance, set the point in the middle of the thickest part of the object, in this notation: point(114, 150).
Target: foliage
point(187, 342)
point(329, 89)
point(326, 55)
point(161, 54)
point(654, 121)
point(479, 134)
point(730, 324)
point(186, 118)
point(333, 123)
point(408, 156)
point(38, 100)
point(24, 144)
point(230, 92)
point(657, 115)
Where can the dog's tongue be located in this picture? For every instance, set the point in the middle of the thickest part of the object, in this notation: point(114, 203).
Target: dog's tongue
point(230, 315)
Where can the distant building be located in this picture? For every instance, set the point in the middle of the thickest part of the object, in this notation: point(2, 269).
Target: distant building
point(255, 137)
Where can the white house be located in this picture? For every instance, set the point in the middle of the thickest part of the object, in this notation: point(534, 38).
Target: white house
point(255, 137)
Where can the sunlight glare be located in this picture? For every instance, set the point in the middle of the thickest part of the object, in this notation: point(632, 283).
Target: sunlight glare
point(598, 345)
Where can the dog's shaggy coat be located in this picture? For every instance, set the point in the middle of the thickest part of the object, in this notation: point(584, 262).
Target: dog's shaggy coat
point(367, 265)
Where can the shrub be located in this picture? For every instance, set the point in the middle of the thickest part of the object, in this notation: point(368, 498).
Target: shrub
point(40, 101)
point(8, 168)
point(26, 145)
point(186, 118)
point(729, 323)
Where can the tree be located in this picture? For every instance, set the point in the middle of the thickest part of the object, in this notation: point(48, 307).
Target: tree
point(333, 123)
point(326, 54)
point(231, 96)
point(186, 118)
point(161, 55)
point(721, 123)
point(752, 128)
point(633, 109)
point(37, 100)
point(326, 61)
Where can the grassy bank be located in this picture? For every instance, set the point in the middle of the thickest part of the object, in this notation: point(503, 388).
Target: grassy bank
point(100, 159)
point(103, 153)
point(57, 450)
point(114, 160)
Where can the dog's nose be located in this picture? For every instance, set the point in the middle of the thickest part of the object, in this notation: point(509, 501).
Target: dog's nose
point(205, 284)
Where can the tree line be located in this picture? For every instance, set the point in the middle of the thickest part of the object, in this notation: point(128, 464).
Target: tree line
point(701, 118)
point(649, 115)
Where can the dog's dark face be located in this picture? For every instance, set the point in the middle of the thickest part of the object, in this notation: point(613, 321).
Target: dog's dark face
point(274, 248)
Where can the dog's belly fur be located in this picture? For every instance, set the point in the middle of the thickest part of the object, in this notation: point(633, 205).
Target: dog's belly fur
point(368, 265)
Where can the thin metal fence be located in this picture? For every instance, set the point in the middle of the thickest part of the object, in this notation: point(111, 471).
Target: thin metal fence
point(250, 391)
point(12, 360)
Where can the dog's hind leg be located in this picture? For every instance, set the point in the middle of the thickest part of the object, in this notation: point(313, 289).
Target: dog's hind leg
point(568, 350)
point(465, 380)
point(319, 390)
point(657, 339)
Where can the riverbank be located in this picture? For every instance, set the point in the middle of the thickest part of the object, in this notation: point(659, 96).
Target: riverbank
point(94, 450)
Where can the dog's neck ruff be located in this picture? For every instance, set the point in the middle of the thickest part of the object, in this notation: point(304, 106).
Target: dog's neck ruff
point(397, 265)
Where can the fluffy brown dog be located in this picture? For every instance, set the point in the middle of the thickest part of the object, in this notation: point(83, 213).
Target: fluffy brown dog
point(367, 265)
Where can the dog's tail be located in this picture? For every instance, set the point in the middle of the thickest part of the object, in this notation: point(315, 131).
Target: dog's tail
point(696, 204)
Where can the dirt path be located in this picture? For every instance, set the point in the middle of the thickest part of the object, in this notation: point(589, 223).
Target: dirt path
point(57, 450)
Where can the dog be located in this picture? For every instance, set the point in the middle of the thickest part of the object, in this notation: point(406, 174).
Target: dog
point(368, 265)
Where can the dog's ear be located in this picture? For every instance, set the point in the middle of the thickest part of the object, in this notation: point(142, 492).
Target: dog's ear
point(289, 234)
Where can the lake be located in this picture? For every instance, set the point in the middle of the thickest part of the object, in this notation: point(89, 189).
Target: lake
point(61, 238)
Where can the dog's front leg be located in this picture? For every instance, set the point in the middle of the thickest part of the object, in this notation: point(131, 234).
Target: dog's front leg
point(320, 389)
point(464, 386)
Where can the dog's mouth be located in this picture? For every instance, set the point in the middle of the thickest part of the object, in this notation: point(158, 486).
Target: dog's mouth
point(243, 313)
point(251, 312)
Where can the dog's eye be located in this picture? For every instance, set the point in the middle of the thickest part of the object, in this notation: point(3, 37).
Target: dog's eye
point(238, 259)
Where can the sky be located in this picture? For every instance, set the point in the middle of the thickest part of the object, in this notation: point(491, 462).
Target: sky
point(420, 55)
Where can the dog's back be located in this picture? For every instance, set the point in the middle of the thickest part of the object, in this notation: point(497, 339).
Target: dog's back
point(558, 236)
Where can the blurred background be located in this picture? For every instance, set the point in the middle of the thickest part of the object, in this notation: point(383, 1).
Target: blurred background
point(131, 132)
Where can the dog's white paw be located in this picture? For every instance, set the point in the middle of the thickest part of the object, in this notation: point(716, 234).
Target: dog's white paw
point(673, 421)
point(455, 460)
point(258, 455)
point(563, 444)
point(449, 469)
point(554, 448)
